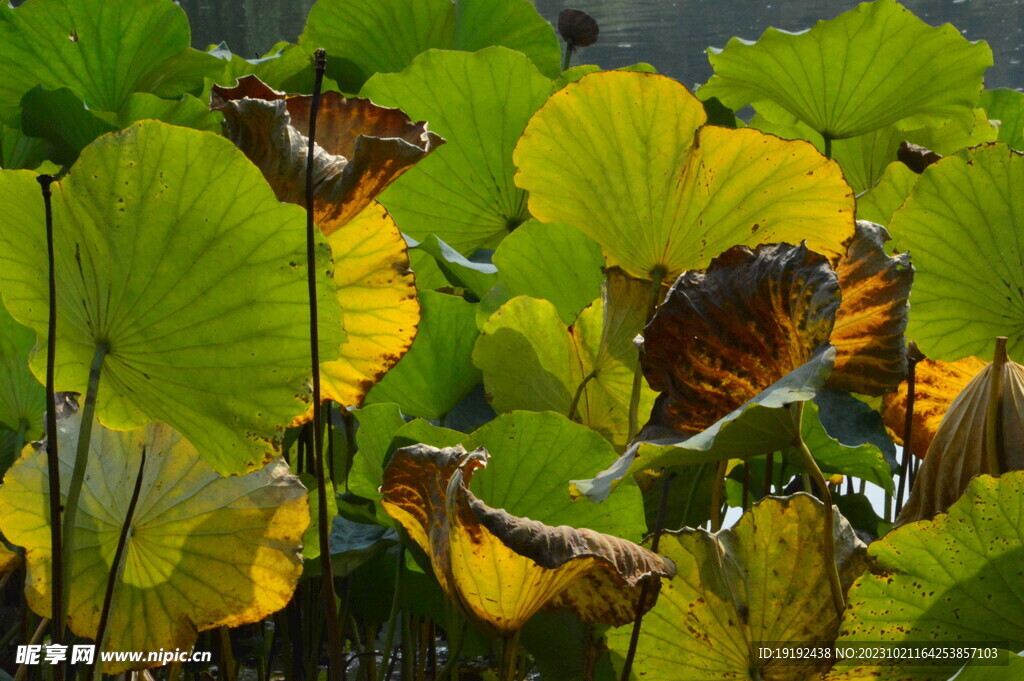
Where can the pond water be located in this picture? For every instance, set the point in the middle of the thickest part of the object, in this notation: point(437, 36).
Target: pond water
point(671, 34)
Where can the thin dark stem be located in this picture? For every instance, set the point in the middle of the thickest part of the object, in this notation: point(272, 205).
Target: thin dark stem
point(828, 146)
point(574, 407)
point(746, 486)
point(908, 432)
point(52, 459)
point(19, 675)
point(334, 645)
point(122, 540)
point(716, 496)
point(648, 585)
point(769, 473)
point(567, 56)
point(509, 656)
point(389, 636)
point(828, 539)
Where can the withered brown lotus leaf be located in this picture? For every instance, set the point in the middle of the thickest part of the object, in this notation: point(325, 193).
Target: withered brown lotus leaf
point(868, 333)
point(722, 336)
point(936, 385)
point(501, 568)
point(360, 149)
point(981, 433)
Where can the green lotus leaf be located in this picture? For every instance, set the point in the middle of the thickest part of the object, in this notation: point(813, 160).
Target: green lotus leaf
point(763, 580)
point(311, 538)
point(377, 425)
point(458, 270)
point(623, 158)
point(761, 425)
point(438, 371)
point(865, 461)
point(556, 366)
point(213, 335)
point(962, 223)
point(352, 546)
point(480, 104)
point(839, 77)
point(204, 551)
point(957, 577)
point(18, 150)
point(285, 66)
point(574, 73)
point(981, 670)
point(892, 189)
point(552, 261)
point(22, 397)
point(103, 50)
point(1007, 107)
point(365, 37)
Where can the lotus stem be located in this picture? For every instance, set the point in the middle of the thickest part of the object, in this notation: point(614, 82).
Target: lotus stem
point(334, 643)
point(716, 497)
point(828, 145)
point(746, 486)
point(645, 589)
point(579, 393)
point(567, 56)
point(769, 473)
point(692, 495)
point(389, 636)
point(510, 657)
point(52, 459)
point(81, 462)
point(227, 654)
point(658, 275)
point(828, 540)
point(36, 637)
point(908, 431)
point(993, 415)
point(115, 568)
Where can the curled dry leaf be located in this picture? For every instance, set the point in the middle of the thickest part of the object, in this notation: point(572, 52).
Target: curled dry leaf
point(936, 385)
point(501, 568)
point(982, 433)
point(868, 333)
point(361, 147)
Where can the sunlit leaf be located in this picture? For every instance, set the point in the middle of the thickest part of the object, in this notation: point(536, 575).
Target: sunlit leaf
point(982, 670)
point(365, 37)
point(868, 331)
point(360, 147)
point(865, 461)
point(204, 551)
point(763, 580)
point(22, 397)
point(438, 370)
point(936, 385)
point(212, 336)
point(839, 76)
point(958, 577)
point(553, 364)
point(551, 261)
point(377, 294)
point(502, 568)
point(1007, 107)
point(457, 269)
point(622, 157)
point(970, 441)
point(103, 50)
point(892, 189)
point(480, 104)
point(961, 223)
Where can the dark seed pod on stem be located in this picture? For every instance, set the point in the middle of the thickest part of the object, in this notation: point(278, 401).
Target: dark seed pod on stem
point(578, 29)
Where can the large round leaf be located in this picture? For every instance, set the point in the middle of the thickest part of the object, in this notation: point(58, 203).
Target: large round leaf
point(480, 104)
point(958, 577)
point(764, 580)
point(364, 37)
point(619, 156)
point(174, 256)
point(871, 66)
point(204, 551)
point(104, 50)
point(963, 225)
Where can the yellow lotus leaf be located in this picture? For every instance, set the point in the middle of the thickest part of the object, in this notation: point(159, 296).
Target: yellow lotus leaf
point(936, 385)
point(501, 568)
point(203, 550)
point(360, 147)
point(625, 158)
point(976, 437)
point(9, 560)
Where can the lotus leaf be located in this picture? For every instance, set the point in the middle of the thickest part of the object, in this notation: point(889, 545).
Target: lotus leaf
point(502, 568)
point(360, 147)
point(204, 551)
point(18, 150)
point(763, 580)
point(377, 293)
point(438, 370)
point(212, 338)
point(962, 225)
point(976, 436)
point(480, 103)
point(367, 37)
point(892, 189)
point(623, 158)
point(982, 670)
point(458, 270)
point(958, 577)
point(936, 385)
point(1007, 107)
point(558, 367)
point(22, 397)
point(103, 50)
point(841, 77)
